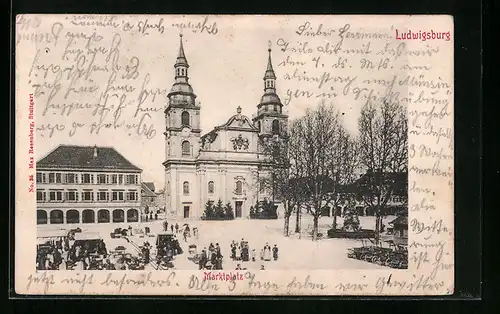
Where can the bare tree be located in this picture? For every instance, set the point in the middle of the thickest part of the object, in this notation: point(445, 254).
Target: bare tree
point(383, 151)
point(343, 163)
point(284, 170)
point(317, 131)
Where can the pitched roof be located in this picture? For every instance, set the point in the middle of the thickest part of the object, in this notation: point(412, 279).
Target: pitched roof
point(150, 185)
point(399, 181)
point(146, 190)
point(401, 220)
point(86, 157)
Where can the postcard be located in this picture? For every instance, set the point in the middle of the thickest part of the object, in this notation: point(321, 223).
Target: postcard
point(234, 155)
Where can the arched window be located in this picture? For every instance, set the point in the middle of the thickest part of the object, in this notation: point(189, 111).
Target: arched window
point(118, 215)
point(88, 216)
point(185, 188)
point(132, 215)
point(41, 217)
point(185, 118)
point(239, 187)
point(56, 217)
point(186, 148)
point(72, 216)
point(276, 127)
point(211, 187)
point(103, 216)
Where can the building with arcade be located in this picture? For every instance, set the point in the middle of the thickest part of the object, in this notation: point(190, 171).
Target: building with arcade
point(87, 185)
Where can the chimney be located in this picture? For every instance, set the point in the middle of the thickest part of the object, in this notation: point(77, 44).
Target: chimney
point(95, 151)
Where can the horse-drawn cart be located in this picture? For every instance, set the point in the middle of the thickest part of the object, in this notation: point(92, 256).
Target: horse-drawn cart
point(380, 256)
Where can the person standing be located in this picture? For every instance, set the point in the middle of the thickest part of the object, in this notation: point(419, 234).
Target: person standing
point(275, 252)
point(213, 259)
point(49, 260)
point(176, 228)
point(253, 255)
point(238, 253)
point(233, 252)
point(217, 250)
point(172, 228)
point(203, 259)
point(267, 252)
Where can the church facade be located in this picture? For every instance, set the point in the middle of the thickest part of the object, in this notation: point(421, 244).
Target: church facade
point(225, 163)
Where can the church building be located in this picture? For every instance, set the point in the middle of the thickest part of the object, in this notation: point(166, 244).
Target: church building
point(225, 163)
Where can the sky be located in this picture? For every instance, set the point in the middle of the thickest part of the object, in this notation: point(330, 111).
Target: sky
point(226, 71)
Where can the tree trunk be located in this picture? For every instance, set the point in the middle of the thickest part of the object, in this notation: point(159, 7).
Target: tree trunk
point(377, 228)
point(334, 219)
point(315, 228)
point(297, 221)
point(287, 225)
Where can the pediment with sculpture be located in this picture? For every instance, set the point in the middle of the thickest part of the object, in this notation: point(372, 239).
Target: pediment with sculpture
point(239, 122)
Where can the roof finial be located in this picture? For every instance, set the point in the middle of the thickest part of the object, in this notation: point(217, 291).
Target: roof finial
point(238, 110)
point(181, 49)
point(269, 70)
point(269, 44)
point(95, 150)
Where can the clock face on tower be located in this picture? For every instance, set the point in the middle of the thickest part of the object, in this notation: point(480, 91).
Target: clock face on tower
point(185, 131)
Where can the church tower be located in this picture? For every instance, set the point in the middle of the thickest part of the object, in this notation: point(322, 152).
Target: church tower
point(182, 115)
point(182, 142)
point(270, 118)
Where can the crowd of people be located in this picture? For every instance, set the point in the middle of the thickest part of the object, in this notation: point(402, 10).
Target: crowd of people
point(65, 253)
point(185, 230)
point(242, 252)
point(211, 258)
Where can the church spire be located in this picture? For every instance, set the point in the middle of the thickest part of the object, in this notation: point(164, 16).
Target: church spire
point(181, 92)
point(181, 58)
point(270, 96)
point(269, 71)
